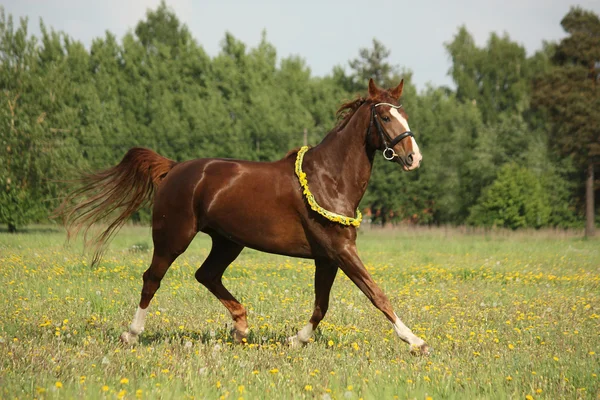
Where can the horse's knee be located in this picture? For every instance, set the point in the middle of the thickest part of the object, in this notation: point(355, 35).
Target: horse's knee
point(205, 278)
point(151, 278)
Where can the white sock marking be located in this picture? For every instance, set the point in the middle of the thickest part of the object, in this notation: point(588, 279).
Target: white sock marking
point(137, 325)
point(406, 334)
point(305, 333)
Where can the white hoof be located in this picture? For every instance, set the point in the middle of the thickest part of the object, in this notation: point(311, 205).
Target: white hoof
point(422, 350)
point(238, 336)
point(294, 342)
point(128, 338)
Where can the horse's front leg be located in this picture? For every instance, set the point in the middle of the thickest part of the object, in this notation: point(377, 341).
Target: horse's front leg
point(353, 267)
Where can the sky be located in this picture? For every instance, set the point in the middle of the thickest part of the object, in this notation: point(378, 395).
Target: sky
point(324, 33)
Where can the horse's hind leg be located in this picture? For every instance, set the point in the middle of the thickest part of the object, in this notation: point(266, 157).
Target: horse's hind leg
point(325, 273)
point(210, 274)
point(167, 247)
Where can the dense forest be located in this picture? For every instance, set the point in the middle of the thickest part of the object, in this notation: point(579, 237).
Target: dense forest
point(513, 145)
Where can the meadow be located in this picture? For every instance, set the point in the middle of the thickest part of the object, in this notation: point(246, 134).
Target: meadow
point(509, 316)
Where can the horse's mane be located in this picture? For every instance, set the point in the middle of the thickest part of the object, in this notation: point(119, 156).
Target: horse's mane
point(343, 115)
point(346, 111)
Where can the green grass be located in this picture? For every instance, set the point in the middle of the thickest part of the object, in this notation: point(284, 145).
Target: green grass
point(508, 316)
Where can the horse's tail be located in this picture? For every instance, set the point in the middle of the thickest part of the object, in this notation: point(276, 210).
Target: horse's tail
point(120, 190)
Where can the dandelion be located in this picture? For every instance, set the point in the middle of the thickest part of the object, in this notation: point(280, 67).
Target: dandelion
point(509, 378)
point(138, 393)
point(511, 346)
point(58, 384)
point(274, 371)
point(538, 391)
point(308, 388)
point(124, 381)
point(241, 389)
point(330, 343)
point(105, 388)
point(218, 384)
point(555, 358)
point(529, 397)
point(121, 394)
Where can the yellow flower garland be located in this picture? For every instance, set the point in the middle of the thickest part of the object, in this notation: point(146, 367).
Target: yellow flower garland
point(341, 219)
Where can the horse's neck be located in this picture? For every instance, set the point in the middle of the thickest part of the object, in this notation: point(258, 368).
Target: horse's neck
point(344, 163)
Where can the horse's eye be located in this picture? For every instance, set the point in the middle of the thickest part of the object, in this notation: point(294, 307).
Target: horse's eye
point(385, 119)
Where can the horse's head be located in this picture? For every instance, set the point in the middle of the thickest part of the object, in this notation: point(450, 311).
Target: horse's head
point(389, 128)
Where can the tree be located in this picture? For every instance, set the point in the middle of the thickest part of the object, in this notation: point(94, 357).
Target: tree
point(569, 95)
point(495, 77)
point(370, 63)
point(448, 132)
point(516, 199)
point(35, 142)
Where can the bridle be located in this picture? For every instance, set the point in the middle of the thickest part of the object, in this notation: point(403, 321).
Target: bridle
point(388, 153)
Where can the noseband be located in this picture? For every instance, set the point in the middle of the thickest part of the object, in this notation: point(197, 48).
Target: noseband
point(388, 153)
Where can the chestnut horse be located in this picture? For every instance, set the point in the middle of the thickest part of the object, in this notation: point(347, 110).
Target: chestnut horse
point(260, 205)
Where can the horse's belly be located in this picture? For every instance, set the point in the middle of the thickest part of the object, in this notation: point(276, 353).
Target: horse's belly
point(269, 232)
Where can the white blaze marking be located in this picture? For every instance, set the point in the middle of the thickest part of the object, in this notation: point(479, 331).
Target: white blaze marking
point(406, 334)
point(137, 325)
point(306, 332)
point(404, 123)
point(417, 157)
point(400, 119)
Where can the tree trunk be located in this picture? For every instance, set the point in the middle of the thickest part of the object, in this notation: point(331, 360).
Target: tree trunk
point(589, 200)
point(12, 228)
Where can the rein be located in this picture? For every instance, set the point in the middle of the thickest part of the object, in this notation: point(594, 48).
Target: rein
point(310, 198)
point(388, 153)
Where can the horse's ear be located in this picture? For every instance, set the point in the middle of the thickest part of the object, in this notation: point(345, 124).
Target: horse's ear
point(373, 89)
point(397, 91)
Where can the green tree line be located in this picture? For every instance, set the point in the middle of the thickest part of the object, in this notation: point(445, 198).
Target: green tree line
point(513, 145)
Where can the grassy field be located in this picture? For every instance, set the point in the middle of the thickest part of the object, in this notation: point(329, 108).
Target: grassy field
point(509, 316)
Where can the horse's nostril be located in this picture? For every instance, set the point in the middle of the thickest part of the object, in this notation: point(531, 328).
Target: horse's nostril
point(409, 159)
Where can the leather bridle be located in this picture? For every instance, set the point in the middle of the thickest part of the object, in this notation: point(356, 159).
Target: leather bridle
point(388, 152)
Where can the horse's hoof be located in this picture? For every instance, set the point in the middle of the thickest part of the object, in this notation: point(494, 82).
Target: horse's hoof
point(422, 350)
point(128, 338)
point(295, 343)
point(238, 336)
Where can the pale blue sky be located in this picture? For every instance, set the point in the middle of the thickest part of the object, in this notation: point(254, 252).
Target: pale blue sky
point(324, 33)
